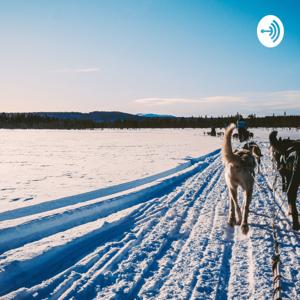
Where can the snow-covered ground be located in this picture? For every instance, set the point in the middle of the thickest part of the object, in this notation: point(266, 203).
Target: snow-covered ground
point(161, 237)
point(43, 165)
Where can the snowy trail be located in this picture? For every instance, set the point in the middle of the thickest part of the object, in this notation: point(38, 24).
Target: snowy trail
point(164, 238)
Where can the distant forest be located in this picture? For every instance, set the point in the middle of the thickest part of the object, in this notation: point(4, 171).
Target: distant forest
point(35, 121)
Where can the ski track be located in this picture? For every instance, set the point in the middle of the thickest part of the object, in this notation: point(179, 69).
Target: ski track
point(167, 239)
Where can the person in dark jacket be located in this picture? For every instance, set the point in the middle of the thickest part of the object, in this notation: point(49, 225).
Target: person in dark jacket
point(241, 125)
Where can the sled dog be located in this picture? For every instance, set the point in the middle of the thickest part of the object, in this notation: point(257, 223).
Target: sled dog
point(239, 172)
point(256, 152)
point(286, 155)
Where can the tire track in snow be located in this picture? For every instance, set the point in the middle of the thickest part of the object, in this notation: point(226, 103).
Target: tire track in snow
point(183, 276)
point(94, 260)
point(240, 281)
point(174, 198)
point(212, 276)
point(160, 208)
point(56, 261)
point(136, 237)
point(40, 260)
point(16, 233)
point(128, 275)
point(165, 265)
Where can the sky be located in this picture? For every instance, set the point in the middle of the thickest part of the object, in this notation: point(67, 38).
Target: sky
point(186, 58)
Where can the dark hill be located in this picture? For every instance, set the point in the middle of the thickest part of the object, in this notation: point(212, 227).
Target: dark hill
point(96, 116)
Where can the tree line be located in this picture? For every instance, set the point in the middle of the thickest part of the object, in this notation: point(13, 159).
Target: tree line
point(35, 121)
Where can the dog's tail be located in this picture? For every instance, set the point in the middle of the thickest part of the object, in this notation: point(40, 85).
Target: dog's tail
point(227, 153)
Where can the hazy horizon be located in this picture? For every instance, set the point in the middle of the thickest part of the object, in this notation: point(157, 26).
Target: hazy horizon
point(159, 114)
point(284, 113)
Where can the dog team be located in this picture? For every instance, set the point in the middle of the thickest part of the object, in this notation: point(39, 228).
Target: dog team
point(240, 167)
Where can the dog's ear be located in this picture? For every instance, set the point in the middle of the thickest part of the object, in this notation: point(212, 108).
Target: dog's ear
point(255, 150)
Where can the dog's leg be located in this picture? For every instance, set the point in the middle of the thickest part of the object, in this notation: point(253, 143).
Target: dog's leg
point(247, 200)
point(258, 164)
point(239, 214)
point(292, 197)
point(283, 181)
point(233, 200)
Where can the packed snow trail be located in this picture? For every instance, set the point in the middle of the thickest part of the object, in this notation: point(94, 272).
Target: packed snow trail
point(165, 238)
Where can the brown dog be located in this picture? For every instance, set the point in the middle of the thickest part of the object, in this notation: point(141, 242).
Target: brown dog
point(256, 152)
point(239, 172)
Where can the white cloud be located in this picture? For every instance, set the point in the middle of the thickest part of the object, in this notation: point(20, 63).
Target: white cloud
point(253, 102)
point(164, 101)
point(171, 101)
point(77, 70)
point(223, 99)
point(280, 100)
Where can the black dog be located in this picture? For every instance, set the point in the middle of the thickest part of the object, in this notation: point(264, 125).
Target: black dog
point(286, 154)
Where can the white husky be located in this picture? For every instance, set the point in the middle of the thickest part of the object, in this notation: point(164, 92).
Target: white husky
point(239, 171)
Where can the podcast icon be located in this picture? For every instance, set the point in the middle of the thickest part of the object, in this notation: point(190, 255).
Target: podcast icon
point(270, 31)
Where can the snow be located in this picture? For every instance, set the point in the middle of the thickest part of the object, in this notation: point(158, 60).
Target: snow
point(44, 165)
point(163, 234)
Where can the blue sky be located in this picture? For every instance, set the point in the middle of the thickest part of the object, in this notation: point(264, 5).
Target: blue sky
point(161, 56)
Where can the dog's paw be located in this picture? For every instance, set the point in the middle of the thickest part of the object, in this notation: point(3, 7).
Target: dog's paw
point(245, 228)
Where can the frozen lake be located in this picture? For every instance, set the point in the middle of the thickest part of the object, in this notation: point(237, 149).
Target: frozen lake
point(41, 165)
